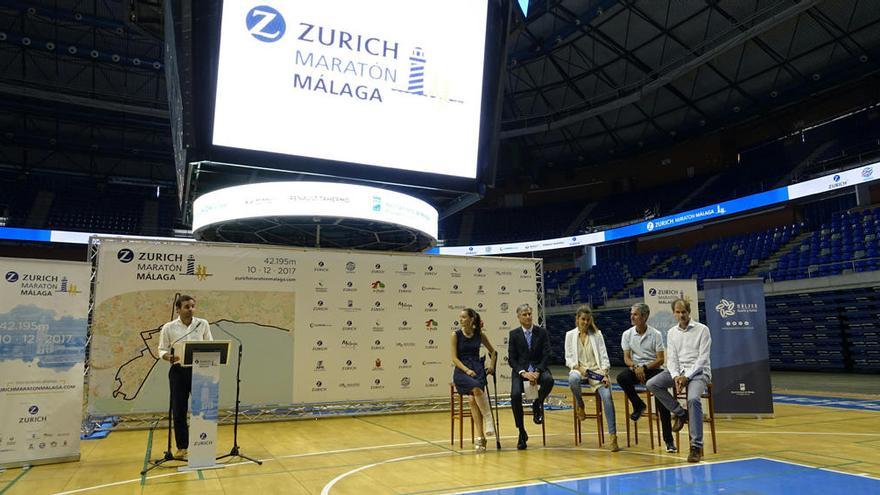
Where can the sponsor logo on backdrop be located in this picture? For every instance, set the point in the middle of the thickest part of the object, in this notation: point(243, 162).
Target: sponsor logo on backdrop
point(265, 24)
point(479, 272)
point(867, 172)
point(319, 306)
point(163, 266)
point(525, 274)
point(320, 266)
point(404, 270)
point(426, 363)
point(429, 272)
point(504, 307)
point(349, 326)
point(455, 273)
point(319, 387)
point(320, 287)
point(377, 384)
point(428, 288)
point(320, 345)
point(431, 382)
point(377, 306)
point(350, 385)
point(350, 307)
point(377, 345)
point(319, 325)
point(378, 286)
point(377, 365)
point(455, 289)
point(429, 308)
point(378, 327)
point(349, 365)
point(525, 291)
point(430, 344)
point(742, 391)
point(203, 440)
point(404, 364)
point(404, 325)
point(405, 345)
point(502, 290)
point(404, 289)
point(729, 308)
point(503, 273)
point(349, 344)
point(377, 268)
point(41, 284)
point(33, 416)
point(480, 306)
point(404, 382)
point(480, 290)
point(349, 287)
point(431, 324)
point(404, 305)
point(351, 267)
point(319, 366)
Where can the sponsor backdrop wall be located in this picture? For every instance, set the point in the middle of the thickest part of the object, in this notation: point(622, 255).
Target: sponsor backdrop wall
point(659, 295)
point(736, 314)
point(317, 326)
point(43, 308)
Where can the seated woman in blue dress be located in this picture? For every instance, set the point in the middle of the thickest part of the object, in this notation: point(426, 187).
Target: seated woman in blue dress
point(587, 360)
point(470, 371)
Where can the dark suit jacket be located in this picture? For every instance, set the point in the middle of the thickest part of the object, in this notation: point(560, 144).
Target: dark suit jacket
point(519, 356)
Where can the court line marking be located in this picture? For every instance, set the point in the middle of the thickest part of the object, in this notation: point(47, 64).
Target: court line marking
point(328, 486)
point(860, 475)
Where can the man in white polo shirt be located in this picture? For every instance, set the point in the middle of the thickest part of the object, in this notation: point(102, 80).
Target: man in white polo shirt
point(688, 346)
point(643, 353)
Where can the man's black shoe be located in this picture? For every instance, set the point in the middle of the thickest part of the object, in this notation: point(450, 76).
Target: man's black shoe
point(523, 438)
point(637, 413)
point(538, 411)
point(696, 454)
point(679, 422)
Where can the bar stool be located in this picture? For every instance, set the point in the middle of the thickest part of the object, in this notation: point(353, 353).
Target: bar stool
point(600, 429)
point(710, 418)
point(458, 414)
point(649, 399)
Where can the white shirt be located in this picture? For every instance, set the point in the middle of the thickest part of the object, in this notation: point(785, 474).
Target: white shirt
point(175, 331)
point(599, 351)
point(687, 350)
point(643, 348)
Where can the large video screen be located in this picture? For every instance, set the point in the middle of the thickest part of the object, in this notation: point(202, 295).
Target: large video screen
point(386, 83)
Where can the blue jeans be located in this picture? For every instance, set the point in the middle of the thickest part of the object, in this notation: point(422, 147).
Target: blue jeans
point(660, 385)
point(574, 382)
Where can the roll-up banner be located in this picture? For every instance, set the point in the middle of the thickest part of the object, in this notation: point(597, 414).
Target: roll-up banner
point(659, 295)
point(736, 315)
point(317, 325)
point(43, 321)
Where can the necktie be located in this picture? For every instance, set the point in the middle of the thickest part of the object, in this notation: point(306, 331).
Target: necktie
point(529, 343)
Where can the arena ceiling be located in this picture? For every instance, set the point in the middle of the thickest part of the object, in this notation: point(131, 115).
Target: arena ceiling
point(82, 87)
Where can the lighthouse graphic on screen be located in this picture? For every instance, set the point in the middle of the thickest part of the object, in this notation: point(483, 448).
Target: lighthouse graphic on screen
point(417, 71)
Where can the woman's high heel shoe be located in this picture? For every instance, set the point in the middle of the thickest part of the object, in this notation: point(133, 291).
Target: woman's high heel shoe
point(480, 445)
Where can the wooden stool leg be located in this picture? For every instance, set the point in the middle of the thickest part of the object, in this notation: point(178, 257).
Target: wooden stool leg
point(648, 399)
point(451, 415)
point(626, 413)
point(712, 421)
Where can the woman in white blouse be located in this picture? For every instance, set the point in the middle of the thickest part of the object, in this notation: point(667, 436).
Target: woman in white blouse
point(586, 357)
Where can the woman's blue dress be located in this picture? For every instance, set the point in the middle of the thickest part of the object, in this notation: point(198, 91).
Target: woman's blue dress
point(469, 353)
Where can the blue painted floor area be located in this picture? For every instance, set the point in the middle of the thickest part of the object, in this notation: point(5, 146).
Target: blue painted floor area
point(835, 402)
point(749, 476)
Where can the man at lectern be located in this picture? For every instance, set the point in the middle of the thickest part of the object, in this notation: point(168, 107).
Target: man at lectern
point(185, 327)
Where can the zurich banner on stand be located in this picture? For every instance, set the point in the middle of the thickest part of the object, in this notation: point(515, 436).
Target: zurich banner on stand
point(43, 308)
point(736, 315)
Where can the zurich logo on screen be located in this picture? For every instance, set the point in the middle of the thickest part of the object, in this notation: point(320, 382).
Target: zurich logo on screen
point(836, 178)
point(11, 277)
point(33, 410)
point(650, 226)
point(867, 172)
point(265, 24)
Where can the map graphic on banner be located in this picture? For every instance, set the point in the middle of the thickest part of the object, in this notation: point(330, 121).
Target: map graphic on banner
point(42, 342)
point(128, 375)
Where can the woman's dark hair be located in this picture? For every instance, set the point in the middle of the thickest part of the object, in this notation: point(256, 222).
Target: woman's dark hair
point(477, 321)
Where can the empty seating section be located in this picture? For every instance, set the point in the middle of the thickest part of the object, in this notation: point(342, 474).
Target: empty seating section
point(848, 244)
point(88, 212)
point(729, 256)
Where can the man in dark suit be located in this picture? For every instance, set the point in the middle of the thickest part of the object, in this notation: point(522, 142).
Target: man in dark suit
point(528, 353)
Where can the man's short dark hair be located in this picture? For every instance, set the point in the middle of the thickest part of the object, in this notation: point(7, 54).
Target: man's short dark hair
point(182, 299)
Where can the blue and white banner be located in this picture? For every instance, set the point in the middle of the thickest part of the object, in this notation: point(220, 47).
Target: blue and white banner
point(43, 308)
point(204, 400)
point(736, 315)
